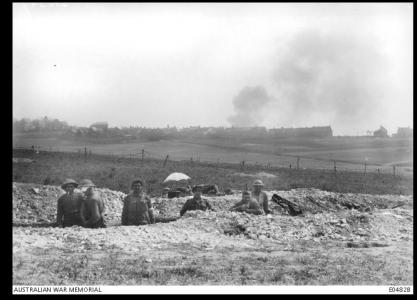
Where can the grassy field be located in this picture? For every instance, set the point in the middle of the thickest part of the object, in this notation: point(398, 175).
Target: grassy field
point(116, 173)
point(350, 153)
point(305, 264)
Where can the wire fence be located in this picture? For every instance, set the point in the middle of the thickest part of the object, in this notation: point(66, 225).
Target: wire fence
point(299, 165)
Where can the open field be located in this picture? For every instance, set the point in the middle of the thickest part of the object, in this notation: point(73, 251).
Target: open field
point(350, 153)
point(116, 173)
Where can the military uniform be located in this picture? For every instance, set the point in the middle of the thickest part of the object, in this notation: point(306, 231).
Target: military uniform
point(92, 211)
point(68, 210)
point(262, 199)
point(207, 189)
point(137, 210)
point(195, 204)
point(251, 207)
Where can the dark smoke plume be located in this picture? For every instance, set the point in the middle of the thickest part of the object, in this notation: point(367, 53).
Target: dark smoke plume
point(334, 78)
point(249, 105)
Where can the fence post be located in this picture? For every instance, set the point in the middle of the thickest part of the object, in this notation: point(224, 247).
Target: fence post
point(290, 166)
point(298, 162)
point(165, 161)
point(85, 153)
point(364, 172)
point(143, 154)
point(379, 173)
point(334, 166)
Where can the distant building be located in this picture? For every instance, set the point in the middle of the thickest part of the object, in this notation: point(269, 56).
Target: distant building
point(403, 132)
point(317, 131)
point(381, 132)
point(99, 126)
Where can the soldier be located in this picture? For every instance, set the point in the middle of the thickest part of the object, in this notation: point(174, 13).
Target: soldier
point(165, 192)
point(69, 205)
point(260, 196)
point(92, 208)
point(137, 207)
point(208, 189)
point(248, 205)
point(196, 203)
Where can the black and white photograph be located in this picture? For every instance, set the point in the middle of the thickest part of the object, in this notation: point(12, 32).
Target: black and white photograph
point(212, 148)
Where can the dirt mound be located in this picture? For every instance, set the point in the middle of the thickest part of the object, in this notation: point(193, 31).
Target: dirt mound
point(257, 175)
point(22, 160)
point(309, 200)
point(327, 221)
point(35, 203)
point(207, 230)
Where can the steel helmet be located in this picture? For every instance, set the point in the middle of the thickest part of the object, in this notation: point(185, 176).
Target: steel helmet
point(68, 181)
point(258, 182)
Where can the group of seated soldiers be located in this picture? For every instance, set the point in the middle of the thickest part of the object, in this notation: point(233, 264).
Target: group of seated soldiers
point(86, 208)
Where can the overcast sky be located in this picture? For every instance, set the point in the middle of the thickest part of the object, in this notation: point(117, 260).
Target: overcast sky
point(270, 64)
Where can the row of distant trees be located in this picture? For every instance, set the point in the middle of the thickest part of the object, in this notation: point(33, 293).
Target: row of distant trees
point(101, 130)
point(227, 132)
point(39, 125)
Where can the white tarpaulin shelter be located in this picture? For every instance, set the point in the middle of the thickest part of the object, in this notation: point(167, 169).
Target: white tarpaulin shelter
point(176, 177)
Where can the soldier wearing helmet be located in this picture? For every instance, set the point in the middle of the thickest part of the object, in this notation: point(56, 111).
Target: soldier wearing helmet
point(248, 205)
point(137, 206)
point(69, 205)
point(196, 203)
point(260, 196)
point(92, 208)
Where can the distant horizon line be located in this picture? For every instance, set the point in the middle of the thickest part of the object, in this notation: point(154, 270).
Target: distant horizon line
point(199, 126)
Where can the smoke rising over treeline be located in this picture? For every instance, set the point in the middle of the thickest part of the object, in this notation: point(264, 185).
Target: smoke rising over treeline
point(319, 78)
point(249, 105)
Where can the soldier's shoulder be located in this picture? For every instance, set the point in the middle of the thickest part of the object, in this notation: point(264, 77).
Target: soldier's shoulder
point(254, 202)
point(148, 199)
point(265, 195)
point(81, 196)
point(96, 196)
point(62, 197)
point(189, 200)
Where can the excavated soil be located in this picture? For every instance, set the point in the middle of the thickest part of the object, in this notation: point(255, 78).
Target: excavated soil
point(326, 215)
point(345, 220)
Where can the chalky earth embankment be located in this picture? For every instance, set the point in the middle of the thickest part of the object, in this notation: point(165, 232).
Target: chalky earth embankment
point(330, 222)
